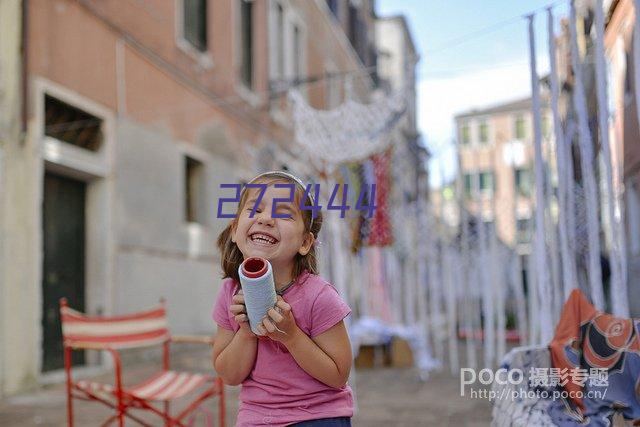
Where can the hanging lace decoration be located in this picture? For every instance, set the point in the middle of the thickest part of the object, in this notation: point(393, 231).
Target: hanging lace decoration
point(351, 132)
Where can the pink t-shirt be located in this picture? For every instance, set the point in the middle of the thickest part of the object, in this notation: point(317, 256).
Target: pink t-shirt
point(278, 391)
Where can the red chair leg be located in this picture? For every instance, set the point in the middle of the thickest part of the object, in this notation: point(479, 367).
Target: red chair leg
point(67, 368)
point(167, 421)
point(221, 402)
point(121, 408)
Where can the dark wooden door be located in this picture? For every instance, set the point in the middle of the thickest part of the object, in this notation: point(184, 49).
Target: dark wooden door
point(63, 261)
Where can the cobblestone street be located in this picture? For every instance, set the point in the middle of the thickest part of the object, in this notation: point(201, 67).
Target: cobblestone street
point(385, 397)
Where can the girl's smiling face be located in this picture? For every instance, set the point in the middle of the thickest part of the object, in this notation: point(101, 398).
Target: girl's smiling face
point(276, 239)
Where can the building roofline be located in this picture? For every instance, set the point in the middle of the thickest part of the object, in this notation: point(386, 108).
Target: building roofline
point(504, 107)
point(405, 26)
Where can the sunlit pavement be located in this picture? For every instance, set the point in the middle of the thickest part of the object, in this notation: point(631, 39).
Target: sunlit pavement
point(385, 397)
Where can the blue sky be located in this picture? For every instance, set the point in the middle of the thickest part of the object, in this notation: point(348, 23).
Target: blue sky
point(474, 53)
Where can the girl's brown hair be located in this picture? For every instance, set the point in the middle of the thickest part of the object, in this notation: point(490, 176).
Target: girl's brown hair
point(231, 257)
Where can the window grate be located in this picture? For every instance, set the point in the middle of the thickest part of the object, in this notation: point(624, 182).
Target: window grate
point(72, 125)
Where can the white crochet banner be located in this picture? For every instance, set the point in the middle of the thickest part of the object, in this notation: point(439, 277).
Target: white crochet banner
point(618, 291)
point(569, 274)
point(539, 248)
point(350, 132)
point(585, 143)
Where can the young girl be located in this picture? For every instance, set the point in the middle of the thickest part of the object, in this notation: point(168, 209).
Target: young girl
point(298, 376)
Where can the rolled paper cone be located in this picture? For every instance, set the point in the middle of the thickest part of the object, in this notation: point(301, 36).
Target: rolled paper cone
point(256, 277)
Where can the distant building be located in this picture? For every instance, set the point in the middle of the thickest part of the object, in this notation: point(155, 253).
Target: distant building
point(397, 60)
point(496, 152)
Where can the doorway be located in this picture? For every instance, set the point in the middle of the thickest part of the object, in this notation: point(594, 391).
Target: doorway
point(63, 273)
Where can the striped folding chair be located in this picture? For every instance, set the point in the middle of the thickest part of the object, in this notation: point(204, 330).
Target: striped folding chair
point(142, 329)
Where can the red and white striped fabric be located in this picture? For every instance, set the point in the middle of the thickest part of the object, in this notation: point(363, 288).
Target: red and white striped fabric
point(167, 385)
point(141, 329)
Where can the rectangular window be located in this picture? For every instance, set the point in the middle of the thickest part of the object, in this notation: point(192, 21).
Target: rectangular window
point(193, 190)
point(524, 273)
point(523, 230)
point(487, 183)
point(279, 41)
point(628, 78)
point(246, 31)
point(523, 182)
point(468, 185)
point(297, 53)
point(72, 125)
point(194, 13)
point(465, 134)
point(353, 26)
point(519, 127)
point(334, 6)
point(484, 132)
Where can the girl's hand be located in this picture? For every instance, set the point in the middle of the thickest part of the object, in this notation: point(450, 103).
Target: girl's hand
point(239, 310)
point(280, 317)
